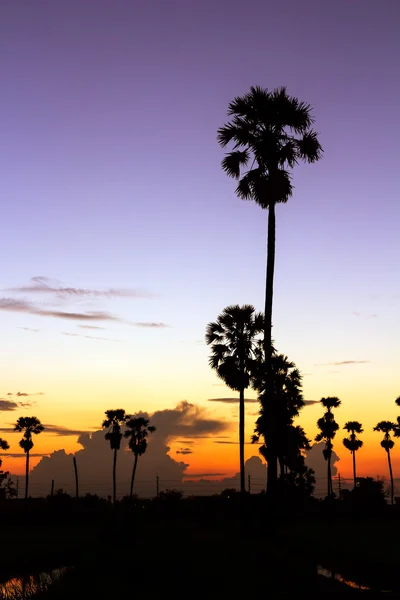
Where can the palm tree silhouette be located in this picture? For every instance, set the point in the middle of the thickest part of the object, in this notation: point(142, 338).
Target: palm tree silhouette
point(30, 426)
point(387, 427)
point(291, 440)
point(271, 131)
point(114, 420)
point(352, 443)
point(4, 445)
point(328, 428)
point(397, 432)
point(137, 431)
point(233, 338)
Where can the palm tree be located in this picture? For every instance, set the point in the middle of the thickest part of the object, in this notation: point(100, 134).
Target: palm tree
point(397, 432)
point(137, 431)
point(114, 420)
point(233, 338)
point(328, 428)
point(289, 401)
point(30, 426)
point(387, 427)
point(352, 443)
point(271, 132)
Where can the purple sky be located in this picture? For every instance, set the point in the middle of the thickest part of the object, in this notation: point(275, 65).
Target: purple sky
point(111, 178)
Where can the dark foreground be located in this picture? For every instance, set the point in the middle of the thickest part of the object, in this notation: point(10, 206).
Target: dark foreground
point(198, 547)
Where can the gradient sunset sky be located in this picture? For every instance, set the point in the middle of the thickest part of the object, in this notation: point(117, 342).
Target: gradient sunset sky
point(115, 210)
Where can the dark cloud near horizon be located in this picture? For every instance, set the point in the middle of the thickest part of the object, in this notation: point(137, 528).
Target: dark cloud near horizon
point(342, 362)
point(22, 454)
point(8, 405)
point(59, 430)
point(184, 451)
point(232, 400)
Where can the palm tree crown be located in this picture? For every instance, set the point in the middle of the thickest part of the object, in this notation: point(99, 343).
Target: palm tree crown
point(271, 131)
point(137, 431)
point(30, 426)
point(114, 420)
point(234, 342)
point(386, 427)
point(4, 445)
point(352, 443)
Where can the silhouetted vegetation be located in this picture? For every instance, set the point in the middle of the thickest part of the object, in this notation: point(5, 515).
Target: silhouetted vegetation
point(30, 426)
point(272, 132)
point(328, 428)
point(387, 427)
point(113, 421)
point(137, 431)
point(352, 443)
point(233, 339)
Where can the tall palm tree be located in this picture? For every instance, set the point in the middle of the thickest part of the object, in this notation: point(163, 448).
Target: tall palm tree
point(137, 431)
point(114, 421)
point(234, 340)
point(328, 428)
point(272, 132)
point(387, 427)
point(352, 443)
point(30, 426)
point(397, 432)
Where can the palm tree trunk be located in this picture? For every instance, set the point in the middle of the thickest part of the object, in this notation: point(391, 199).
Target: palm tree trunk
point(272, 433)
point(115, 476)
point(354, 469)
point(27, 475)
point(133, 475)
point(241, 442)
point(329, 477)
point(391, 478)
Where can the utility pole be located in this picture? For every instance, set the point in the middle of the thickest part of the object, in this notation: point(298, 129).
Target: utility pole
point(249, 482)
point(157, 485)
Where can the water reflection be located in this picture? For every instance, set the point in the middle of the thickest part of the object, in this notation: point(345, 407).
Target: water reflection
point(332, 575)
point(21, 588)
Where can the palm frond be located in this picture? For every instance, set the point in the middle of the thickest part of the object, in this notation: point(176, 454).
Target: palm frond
point(308, 147)
point(234, 162)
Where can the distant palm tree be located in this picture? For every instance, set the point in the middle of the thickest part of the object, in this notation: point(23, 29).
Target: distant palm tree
point(30, 426)
point(328, 428)
point(4, 445)
point(114, 421)
point(271, 132)
point(234, 339)
point(352, 443)
point(137, 431)
point(387, 427)
point(397, 432)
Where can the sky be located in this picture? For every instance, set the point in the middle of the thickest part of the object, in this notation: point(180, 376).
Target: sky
point(122, 237)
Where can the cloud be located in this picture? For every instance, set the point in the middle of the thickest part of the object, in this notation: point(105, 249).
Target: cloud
point(342, 362)
point(22, 454)
point(367, 316)
point(315, 460)
point(8, 405)
point(310, 402)
point(91, 327)
point(89, 337)
point(45, 285)
point(12, 305)
point(184, 451)
point(232, 442)
point(149, 325)
point(204, 475)
point(62, 431)
point(231, 400)
point(186, 421)
point(29, 329)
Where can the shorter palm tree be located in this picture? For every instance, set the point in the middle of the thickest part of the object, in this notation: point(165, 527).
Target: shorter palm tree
point(328, 428)
point(137, 431)
point(113, 421)
point(387, 427)
point(30, 426)
point(352, 443)
point(397, 432)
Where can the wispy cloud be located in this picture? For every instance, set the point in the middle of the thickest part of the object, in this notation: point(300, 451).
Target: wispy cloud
point(232, 400)
point(8, 405)
point(58, 430)
point(45, 285)
point(189, 475)
point(310, 402)
point(366, 316)
point(29, 329)
point(89, 337)
point(19, 394)
point(91, 327)
point(149, 325)
point(23, 306)
point(340, 363)
point(21, 454)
